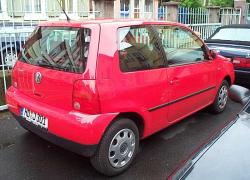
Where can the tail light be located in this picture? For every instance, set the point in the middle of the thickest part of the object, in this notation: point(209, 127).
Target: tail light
point(241, 62)
point(86, 97)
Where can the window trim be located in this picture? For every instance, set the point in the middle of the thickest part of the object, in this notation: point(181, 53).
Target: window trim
point(190, 63)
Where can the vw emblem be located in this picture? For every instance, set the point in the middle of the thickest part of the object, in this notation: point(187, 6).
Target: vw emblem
point(38, 77)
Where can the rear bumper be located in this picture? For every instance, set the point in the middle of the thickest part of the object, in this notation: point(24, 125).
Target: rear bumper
point(84, 150)
point(242, 76)
point(63, 126)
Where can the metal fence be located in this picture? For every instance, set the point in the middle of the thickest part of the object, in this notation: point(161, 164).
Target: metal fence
point(198, 19)
point(230, 16)
point(193, 15)
point(11, 43)
point(205, 30)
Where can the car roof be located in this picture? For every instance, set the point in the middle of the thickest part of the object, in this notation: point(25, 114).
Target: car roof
point(121, 22)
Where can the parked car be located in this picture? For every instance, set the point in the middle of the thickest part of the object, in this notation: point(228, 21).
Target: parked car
point(233, 41)
point(97, 87)
point(225, 156)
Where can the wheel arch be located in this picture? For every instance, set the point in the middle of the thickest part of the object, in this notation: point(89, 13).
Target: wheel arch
point(136, 118)
point(228, 79)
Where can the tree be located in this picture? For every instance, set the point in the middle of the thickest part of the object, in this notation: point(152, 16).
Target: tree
point(223, 3)
point(191, 3)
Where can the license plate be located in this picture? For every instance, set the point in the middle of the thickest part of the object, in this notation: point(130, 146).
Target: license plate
point(34, 118)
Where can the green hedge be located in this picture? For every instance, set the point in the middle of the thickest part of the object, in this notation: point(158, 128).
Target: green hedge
point(8, 82)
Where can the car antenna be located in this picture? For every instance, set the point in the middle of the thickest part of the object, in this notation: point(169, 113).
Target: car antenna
point(68, 19)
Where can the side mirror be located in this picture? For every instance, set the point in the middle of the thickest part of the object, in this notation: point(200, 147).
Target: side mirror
point(213, 53)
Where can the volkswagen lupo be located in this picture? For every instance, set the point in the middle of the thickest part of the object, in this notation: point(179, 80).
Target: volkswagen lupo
point(98, 87)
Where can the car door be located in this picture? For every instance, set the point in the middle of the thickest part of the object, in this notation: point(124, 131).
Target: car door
point(191, 75)
point(142, 83)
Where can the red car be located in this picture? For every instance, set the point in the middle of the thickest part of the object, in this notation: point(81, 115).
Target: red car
point(97, 87)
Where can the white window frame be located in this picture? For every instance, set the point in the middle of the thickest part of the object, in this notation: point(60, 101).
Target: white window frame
point(33, 15)
point(73, 14)
point(4, 13)
point(123, 12)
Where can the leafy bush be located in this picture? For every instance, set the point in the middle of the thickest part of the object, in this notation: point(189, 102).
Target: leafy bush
point(8, 82)
point(223, 3)
point(191, 3)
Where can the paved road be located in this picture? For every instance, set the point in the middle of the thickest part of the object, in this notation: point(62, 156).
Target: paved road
point(26, 156)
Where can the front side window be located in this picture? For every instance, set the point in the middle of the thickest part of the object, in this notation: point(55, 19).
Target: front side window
point(59, 48)
point(139, 49)
point(181, 46)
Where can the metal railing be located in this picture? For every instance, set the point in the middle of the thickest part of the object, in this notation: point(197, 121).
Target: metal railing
point(205, 30)
point(230, 16)
point(11, 42)
point(193, 15)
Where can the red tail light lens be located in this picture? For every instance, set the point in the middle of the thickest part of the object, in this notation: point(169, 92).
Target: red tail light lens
point(241, 62)
point(86, 97)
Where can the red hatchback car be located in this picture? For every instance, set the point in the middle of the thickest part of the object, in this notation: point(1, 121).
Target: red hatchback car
point(97, 87)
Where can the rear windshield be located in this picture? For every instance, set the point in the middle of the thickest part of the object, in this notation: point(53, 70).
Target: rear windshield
point(60, 48)
point(233, 34)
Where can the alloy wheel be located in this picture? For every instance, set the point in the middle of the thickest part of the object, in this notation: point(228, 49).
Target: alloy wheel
point(122, 148)
point(223, 96)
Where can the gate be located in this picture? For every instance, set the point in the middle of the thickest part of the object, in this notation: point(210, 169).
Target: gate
point(230, 16)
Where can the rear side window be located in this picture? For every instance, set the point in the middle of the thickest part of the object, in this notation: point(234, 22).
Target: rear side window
point(139, 49)
point(60, 48)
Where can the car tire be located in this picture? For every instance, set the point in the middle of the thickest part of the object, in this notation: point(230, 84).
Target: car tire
point(117, 148)
point(221, 98)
